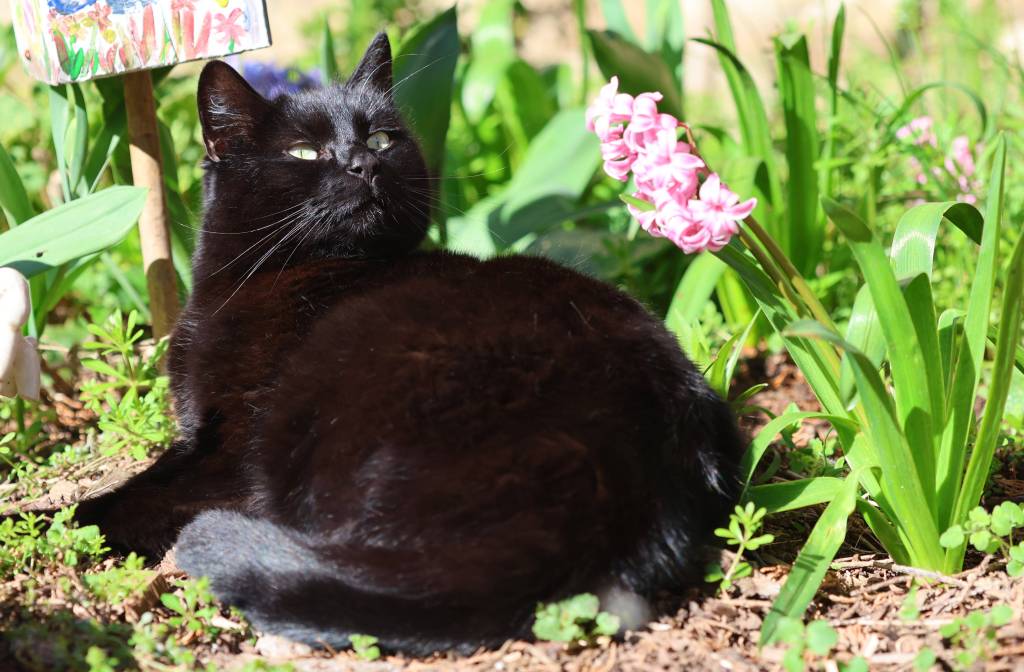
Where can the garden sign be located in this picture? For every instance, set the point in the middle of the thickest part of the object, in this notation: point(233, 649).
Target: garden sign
point(68, 41)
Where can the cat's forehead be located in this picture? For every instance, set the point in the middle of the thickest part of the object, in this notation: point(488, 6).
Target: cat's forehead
point(339, 107)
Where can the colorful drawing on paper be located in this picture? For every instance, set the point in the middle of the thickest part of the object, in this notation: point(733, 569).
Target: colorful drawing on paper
point(73, 40)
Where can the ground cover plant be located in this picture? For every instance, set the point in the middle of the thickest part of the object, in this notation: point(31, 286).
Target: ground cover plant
point(837, 248)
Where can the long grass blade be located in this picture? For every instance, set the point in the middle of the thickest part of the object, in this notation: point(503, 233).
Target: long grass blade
point(967, 370)
point(813, 561)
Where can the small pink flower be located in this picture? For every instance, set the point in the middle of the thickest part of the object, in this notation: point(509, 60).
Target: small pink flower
point(228, 27)
point(962, 155)
point(719, 210)
point(610, 108)
point(679, 225)
point(919, 131)
point(648, 219)
point(666, 164)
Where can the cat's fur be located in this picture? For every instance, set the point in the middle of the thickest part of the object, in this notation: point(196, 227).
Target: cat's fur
point(419, 446)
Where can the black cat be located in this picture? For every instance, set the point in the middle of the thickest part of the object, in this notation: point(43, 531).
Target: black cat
point(418, 446)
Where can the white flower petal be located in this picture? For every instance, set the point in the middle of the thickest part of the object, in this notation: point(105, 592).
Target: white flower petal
point(27, 370)
point(15, 301)
point(9, 340)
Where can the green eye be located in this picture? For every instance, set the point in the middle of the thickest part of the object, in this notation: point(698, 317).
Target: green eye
point(304, 151)
point(378, 141)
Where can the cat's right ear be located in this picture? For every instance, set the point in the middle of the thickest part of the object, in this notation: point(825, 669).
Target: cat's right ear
point(229, 109)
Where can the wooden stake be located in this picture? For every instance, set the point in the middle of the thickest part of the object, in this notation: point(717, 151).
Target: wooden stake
point(147, 171)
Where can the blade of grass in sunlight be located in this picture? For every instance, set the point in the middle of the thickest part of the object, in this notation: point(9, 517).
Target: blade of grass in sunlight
point(952, 454)
point(790, 495)
point(998, 390)
point(919, 405)
point(13, 198)
point(813, 561)
point(796, 91)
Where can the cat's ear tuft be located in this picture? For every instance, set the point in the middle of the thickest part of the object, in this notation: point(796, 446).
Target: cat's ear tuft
point(229, 109)
point(375, 68)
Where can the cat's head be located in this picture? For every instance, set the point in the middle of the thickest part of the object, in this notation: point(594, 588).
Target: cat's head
point(319, 173)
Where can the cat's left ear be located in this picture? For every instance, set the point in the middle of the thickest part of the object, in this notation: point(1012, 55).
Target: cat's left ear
point(229, 110)
point(375, 68)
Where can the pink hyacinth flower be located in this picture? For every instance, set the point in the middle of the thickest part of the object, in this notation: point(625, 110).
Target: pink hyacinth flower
point(720, 210)
point(648, 219)
point(919, 130)
point(667, 164)
point(679, 226)
point(609, 109)
point(962, 155)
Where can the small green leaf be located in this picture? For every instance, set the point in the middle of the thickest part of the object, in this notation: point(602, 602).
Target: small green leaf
point(1001, 614)
point(924, 660)
point(638, 203)
point(606, 624)
point(821, 637)
point(172, 602)
point(952, 538)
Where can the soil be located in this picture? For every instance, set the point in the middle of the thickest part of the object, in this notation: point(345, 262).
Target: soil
point(864, 596)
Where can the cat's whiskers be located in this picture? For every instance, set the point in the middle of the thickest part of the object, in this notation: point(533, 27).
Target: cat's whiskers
point(291, 210)
point(259, 262)
point(284, 223)
point(310, 226)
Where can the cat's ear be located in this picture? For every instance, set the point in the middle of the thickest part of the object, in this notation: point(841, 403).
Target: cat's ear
point(375, 68)
point(229, 109)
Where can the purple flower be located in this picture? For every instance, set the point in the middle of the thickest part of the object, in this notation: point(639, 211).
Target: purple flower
point(272, 81)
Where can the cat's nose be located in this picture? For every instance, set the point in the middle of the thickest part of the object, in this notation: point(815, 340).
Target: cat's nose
point(362, 165)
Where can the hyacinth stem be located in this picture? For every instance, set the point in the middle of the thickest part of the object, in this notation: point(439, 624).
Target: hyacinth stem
point(792, 275)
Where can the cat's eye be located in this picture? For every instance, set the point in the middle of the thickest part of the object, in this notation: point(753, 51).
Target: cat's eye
point(304, 151)
point(378, 141)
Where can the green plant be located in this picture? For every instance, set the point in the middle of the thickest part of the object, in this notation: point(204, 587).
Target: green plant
point(24, 544)
point(576, 619)
point(976, 634)
point(817, 639)
point(365, 647)
point(117, 584)
point(194, 607)
point(744, 524)
point(132, 397)
point(991, 533)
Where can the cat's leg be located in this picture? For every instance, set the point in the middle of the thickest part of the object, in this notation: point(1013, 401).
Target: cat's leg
point(146, 513)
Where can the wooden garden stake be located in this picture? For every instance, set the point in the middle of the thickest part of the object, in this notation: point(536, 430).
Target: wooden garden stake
point(147, 171)
point(70, 41)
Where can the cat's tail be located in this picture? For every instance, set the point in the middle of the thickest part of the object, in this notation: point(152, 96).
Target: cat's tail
point(288, 586)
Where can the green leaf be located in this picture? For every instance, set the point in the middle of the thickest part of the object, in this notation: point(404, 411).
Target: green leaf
point(913, 244)
point(752, 456)
point(72, 230)
point(864, 333)
point(80, 147)
point(640, 204)
point(606, 624)
point(493, 50)
point(616, 20)
point(638, 71)
point(328, 55)
point(424, 66)
point(13, 198)
point(582, 607)
point(919, 406)
point(796, 90)
point(790, 495)
point(999, 387)
point(172, 602)
point(899, 477)
point(953, 537)
point(753, 120)
point(821, 637)
point(967, 371)
point(542, 194)
point(813, 561)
